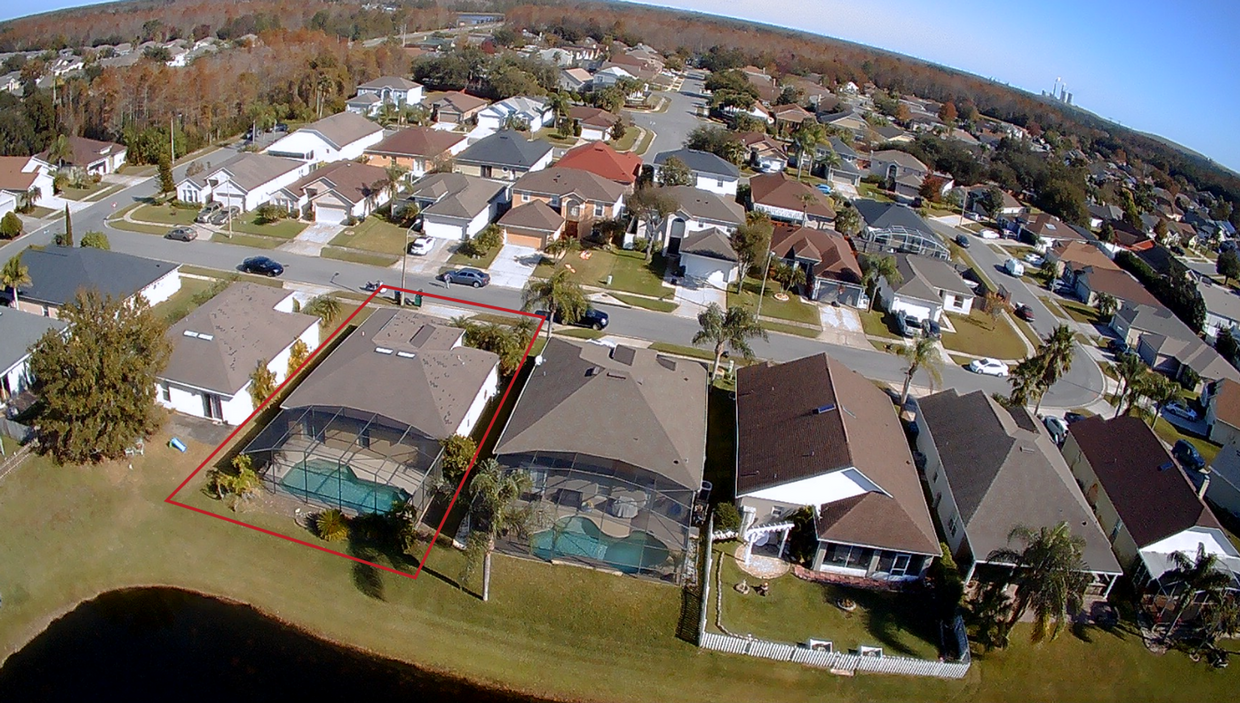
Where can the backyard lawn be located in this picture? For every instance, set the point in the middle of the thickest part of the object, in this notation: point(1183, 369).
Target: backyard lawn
point(628, 270)
point(794, 309)
point(375, 234)
point(978, 334)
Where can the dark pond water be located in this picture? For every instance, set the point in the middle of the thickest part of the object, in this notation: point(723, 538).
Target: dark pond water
point(166, 644)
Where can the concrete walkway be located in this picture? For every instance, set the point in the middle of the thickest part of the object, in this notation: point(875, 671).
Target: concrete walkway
point(312, 239)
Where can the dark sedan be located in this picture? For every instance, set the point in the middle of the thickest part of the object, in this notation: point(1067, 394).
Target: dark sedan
point(466, 277)
point(1024, 312)
point(596, 319)
point(262, 266)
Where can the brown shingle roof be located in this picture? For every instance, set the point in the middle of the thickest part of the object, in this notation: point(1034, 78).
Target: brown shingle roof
point(781, 439)
point(1226, 402)
point(710, 242)
point(593, 116)
point(87, 151)
point(417, 141)
point(535, 215)
point(350, 180)
point(11, 176)
point(566, 181)
point(1148, 488)
point(1117, 283)
point(1077, 255)
point(778, 190)
point(833, 257)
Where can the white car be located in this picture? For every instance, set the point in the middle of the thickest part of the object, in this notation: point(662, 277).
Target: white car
point(989, 367)
point(1033, 259)
point(1182, 410)
point(421, 246)
point(988, 234)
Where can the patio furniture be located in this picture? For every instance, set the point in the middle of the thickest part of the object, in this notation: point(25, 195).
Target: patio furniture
point(625, 507)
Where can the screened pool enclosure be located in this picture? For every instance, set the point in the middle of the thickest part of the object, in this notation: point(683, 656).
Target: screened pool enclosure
point(342, 458)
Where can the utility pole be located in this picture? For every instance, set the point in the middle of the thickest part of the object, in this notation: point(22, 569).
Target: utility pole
point(766, 269)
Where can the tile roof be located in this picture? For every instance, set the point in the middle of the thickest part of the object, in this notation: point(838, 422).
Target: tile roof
point(58, 273)
point(829, 251)
point(1149, 490)
point(421, 142)
point(781, 439)
point(1004, 471)
point(242, 328)
point(566, 181)
point(505, 148)
point(602, 159)
point(778, 190)
point(701, 162)
point(629, 405)
point(404, 366)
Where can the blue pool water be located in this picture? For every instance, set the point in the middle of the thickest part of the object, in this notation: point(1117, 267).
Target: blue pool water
point(331, 483)
point(578, 536)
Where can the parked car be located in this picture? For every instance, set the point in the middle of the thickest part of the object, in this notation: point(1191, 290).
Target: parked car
point(931, 328)
point(204, 215)
point(596, 319)
point(182, 234)
point(1057, 427)
point(1034, 259)
point(421, 246)
point(1014, 267)
point(1024, 312)
point(962, 240)
point(1181, 410)
point(1188, 455)
point(466, 276)
point(225, 214)
point(1118, 346)
point(908, 326)
point(262, 266)
point(280, 127)
point(1073, 417)
point(988, 234)
point(989, 367)
point(824, 188)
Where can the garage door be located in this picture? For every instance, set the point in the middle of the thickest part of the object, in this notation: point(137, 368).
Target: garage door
point(329, 215)
point(523, 240)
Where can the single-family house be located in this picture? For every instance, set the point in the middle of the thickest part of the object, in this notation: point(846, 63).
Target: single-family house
point(766, 154)
point(362, 431)
point(340, 137)
point(455, 206)
point(895, 228)
point(789, 200)
point(602, 159)
point(1044, 229)
point(90, 156)
point(337, 193)
point(581, 197)
point(697, 210)
point(849, 119)
point(891, 134)
point(1144, 502)
point(418, 149)
point(768, 89)
point(218, 346)
point(929, 288)
point(789, 117)
point(893, 165)
point(8, 202)
point(990, 469)
point(611, 74)
point(58, 273)
point(505, 155)
point(517, 112)
point(1091, 282)
point(832, 273)
point(19, 331)
point(572, 431)
point(1222, 308)
point(596, 123)
point(386, 90)
point(1168, 345)
point(707, 255)
point(246, 180)
point(1103, 212)
point(533, 224)
point(814, 433)
point(575, 80)
point(711, 172)
point(457, 108)
point(1070, 257)
point(20, 175)
point(1221, 400)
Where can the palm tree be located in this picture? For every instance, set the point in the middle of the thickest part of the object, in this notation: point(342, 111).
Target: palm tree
point(324, 307)
point(28, 199)
point(395, 174)
point(1200, 578)
point(1056, 356)
point(732, 329)
point(1026, 380)
point(558, 293)
point(60, 151)
point(1107, 305)
point(924, 353)
point(1162, 391)
point(806, 200)
point(874, 268)
point(493, 512)
point(332, 525)
point(404, 518)
point(1049, 574)
point(14, 275)
point(807, 137)
point(1131, 370)
point(562, 247)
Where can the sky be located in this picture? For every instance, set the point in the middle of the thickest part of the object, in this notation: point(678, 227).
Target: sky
point(1166, 68)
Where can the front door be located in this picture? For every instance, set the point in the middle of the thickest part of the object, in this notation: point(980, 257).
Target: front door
point(211, 407)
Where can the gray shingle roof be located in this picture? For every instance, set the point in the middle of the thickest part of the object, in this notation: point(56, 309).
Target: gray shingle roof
point(704, 205)
point(570, 181)
point(342, 128)
point(455, 194)
point(19, 331)
point(390, 82)
point(58, 273)
point(242, 328)
point(924, 277)
point(249, 171)
point(711, 242)
point(505, 148)
point(884, 215)
point(701, 162)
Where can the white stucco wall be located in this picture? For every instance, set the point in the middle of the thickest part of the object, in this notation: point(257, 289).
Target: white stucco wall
point(163, 287)
point(716, 272)
point(476, 408)
point(713, 184)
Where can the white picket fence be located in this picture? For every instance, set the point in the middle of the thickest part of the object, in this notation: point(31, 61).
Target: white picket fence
point(780, 651)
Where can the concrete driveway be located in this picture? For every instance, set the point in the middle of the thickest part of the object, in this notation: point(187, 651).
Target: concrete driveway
point(513, 266)
point(312, 239)
point(694, 296)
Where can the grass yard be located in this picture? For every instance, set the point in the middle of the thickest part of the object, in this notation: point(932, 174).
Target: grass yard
point(647, 303)
point(978, 334)
point(1056, 309)
point(578, 333)
point(871, 191)
point(483, 262)
point(358, 256)
point(375, 234)
point(628, 270)
point(795, 611)
point(246, 240)
point(83, 193)
point(784, 328)
point(1171, 434)
point(194, 292)
point(1081, 312)
point(40, 212)
point(878, 323)
point(644, 142)
point(282, 229)
point(631, 135)
point(165, 215)
point(118, 223)
point(548, 134)
point(794, 309)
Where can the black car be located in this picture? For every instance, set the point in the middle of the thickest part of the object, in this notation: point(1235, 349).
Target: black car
point(596, 319)
point(931, 328)
point(962, 240)
point(182, 234)
point(1118, 346)
point(466, 276)
point(262, 266)
point(1024, 312)
point(1072, 417)
point(1188, 455)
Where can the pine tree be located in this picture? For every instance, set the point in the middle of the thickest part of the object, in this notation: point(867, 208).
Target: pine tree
point(68, 238)
point(166, 184)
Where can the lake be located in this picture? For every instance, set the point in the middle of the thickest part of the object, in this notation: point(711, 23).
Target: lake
point(166, 644)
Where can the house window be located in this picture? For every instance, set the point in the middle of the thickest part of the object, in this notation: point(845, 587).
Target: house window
point(598, 210)
point(899, 567)
point(555, 201)
point(47, 312)
point(844, 556)
point(719, 182)
point(951, 526)
point(525, 197)
point(165, 392)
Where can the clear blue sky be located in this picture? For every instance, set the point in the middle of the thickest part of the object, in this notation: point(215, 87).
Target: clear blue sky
point(1167, 68)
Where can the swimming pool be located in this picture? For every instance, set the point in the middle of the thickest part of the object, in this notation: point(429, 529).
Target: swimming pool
point(578, 536)
point(332, 483)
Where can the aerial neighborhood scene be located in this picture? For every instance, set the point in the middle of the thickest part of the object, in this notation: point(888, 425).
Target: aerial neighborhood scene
point(612, 352)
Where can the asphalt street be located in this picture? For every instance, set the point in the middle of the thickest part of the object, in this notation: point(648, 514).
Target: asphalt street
point(672, 126)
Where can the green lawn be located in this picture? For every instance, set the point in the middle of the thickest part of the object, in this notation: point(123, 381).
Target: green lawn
point(194, 292)
point(118, 223)
point(1056, 308)
point(282, 229)
point(871, 191)
point(484, 262)
point(374, 234)
point(628, 270)
point(548, 134)
point(1081, 312)
point(784, 328)
point(232, 274)
point(165, 215)
point(578, 333)
point(794, 309)
point(647, 303)
point(42, 212)
point(629, 140)
point(1171, 434)
point(246, 240)
point(878, 323)
point(795, 611)
point(358, 257)
point(83, 193)
point(980, 335)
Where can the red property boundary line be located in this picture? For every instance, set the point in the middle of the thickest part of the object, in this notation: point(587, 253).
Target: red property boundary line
point(171, 499)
